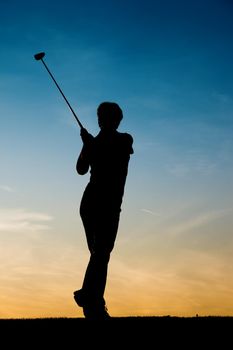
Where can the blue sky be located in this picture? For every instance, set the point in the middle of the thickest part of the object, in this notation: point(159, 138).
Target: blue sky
point(169, 66)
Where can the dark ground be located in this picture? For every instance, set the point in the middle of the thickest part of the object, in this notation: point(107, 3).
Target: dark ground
point(144, 332)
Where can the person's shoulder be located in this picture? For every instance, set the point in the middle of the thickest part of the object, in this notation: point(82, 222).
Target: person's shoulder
point(127, 140)
point(126, 136)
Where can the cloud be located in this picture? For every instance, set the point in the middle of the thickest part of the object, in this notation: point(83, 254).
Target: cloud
point(192, 162)
point(221, 97)
point(179, 170)
point(22, 220)
point(199, 220)
point(6, 188)
point(148, 211)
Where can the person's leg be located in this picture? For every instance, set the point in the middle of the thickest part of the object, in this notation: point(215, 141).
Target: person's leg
point(96, 275)
point(91, 295)
point(100, 238)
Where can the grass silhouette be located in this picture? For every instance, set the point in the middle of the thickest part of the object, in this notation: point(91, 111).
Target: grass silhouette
point(148, 332)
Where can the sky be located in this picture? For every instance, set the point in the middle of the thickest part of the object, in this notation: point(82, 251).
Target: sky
point(168, 64)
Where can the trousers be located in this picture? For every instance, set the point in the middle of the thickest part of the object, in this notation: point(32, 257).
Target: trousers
point(100, 222)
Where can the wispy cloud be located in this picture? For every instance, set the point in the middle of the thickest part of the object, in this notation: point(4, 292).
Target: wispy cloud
point(6, 188)
point(23, 220)
point(179, 170)
point(199, 220)
point(148, 211)
point(221, 97)
point(192, 163)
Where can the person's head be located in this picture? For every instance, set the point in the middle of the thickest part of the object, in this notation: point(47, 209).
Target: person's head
point(109, 115)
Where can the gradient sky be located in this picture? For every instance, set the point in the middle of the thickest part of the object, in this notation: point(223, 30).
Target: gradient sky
point(169, 65)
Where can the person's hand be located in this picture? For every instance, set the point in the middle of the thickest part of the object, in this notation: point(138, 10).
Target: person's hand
point(86, 137)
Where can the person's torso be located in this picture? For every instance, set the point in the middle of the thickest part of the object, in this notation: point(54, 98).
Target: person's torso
point(109, 158)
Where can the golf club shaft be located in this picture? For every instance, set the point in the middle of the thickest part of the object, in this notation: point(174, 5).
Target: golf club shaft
point(78, 121)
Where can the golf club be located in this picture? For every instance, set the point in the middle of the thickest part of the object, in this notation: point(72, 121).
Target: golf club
point(39, 57)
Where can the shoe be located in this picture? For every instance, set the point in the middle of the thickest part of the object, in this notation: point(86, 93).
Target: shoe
point(79, 298)
point(83, 299)
point(91, 309)
point(95, 313)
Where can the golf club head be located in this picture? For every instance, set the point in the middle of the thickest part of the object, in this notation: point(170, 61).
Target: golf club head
point(39, 56)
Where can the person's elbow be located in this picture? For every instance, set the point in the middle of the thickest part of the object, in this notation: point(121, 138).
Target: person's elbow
point(82, 169)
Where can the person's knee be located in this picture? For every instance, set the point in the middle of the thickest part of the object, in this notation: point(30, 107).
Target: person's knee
point(101, 256)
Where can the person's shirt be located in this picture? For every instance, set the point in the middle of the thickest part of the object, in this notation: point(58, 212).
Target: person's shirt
point(107, 156)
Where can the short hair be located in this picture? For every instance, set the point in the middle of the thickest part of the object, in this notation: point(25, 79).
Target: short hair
point(109, 114)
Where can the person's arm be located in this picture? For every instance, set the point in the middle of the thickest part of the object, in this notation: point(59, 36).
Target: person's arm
point(82, 165)
point(129, 143)
point(83, 162)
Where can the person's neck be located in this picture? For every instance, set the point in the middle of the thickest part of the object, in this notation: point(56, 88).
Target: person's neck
point(107, 131)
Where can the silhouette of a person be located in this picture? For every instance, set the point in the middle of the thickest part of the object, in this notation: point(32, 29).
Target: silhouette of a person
point(107, 156)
